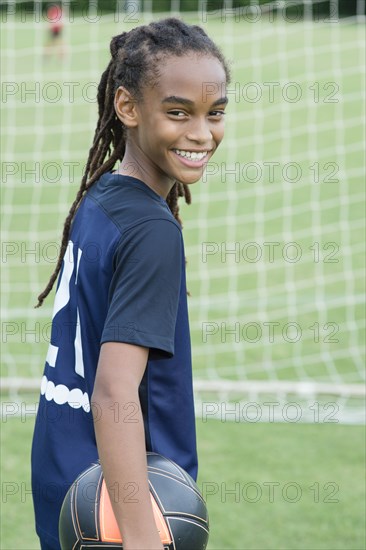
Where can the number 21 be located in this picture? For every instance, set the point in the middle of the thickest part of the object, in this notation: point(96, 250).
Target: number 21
point(62, 298)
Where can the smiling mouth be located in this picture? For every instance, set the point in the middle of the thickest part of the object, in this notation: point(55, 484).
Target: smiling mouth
point(195, 156)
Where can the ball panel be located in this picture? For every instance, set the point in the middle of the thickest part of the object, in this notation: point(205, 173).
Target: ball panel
point(109, 531)
point(163, 529)
point(165, 489)
point(162, 464)
point(67, 527)
point(187, 533)
point(158, 463)
point(86, 497)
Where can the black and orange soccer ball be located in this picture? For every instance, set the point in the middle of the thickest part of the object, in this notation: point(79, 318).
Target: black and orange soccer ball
point(87, 519)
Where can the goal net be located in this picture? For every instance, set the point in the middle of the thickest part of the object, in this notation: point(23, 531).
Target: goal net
point(274, 237)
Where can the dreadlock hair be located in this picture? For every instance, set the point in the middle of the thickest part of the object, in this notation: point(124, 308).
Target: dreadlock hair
point(134, 64)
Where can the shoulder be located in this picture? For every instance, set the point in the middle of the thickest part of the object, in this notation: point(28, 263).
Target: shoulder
point(158, 231)
point(130, 203)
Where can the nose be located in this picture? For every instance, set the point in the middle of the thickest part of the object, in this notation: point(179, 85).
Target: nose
point(199, 131)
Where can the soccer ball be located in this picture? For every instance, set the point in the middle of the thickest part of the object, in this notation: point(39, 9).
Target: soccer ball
point(87, 519)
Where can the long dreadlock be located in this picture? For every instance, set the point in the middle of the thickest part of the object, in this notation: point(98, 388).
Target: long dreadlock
point(135, 58)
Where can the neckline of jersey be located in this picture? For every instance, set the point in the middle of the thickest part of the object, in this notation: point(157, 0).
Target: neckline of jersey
point(139, 183)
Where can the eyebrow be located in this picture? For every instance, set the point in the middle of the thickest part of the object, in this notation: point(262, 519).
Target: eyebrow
point(190, 103)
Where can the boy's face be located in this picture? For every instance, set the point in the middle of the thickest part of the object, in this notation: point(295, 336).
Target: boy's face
point(180, 122)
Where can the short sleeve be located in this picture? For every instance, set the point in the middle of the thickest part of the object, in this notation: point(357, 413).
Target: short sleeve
point(145, 287)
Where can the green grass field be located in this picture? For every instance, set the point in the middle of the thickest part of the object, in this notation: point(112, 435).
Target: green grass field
point(267, 486)
point(322, 464)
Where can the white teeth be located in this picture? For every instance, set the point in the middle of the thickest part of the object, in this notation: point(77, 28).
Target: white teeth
point(191, 155)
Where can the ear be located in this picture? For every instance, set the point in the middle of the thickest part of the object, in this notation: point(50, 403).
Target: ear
point(125, 107)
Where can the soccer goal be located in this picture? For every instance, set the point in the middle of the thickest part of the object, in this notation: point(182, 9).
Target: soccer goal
point(274, 236)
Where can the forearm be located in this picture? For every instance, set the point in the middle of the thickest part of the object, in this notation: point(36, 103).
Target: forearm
point(121, 446)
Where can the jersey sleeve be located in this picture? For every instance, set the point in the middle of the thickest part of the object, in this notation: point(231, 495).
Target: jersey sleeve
point(145, 287)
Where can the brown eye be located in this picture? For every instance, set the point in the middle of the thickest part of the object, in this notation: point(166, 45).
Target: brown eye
point(176, 113)
point(217, 114)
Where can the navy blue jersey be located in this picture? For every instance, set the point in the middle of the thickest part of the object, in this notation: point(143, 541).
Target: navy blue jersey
point(122, 280)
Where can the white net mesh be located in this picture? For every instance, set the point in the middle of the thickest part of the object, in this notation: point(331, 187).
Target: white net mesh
point(274, 235)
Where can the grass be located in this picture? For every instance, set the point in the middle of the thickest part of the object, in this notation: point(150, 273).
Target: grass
point(316, 478)
point(267, 486)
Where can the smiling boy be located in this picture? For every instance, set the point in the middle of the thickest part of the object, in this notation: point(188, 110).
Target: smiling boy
point(119, 381)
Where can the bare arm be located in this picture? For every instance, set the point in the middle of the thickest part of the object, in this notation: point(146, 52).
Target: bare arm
point(121, 442)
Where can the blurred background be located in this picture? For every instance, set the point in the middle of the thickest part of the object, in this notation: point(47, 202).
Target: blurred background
point(274, 243)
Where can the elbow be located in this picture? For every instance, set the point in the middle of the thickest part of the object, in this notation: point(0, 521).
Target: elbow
point(104, 395)
point(118, 376)
point(102, 398)
point(109, 396)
